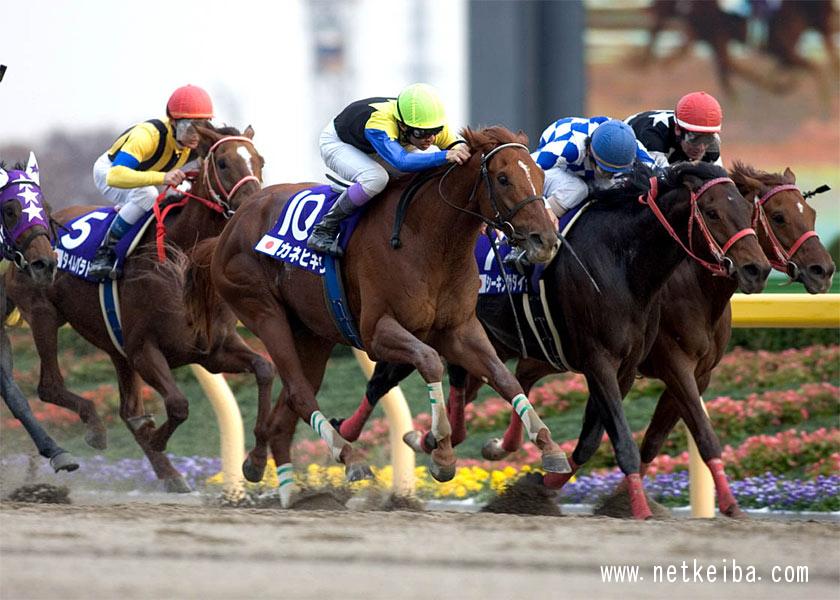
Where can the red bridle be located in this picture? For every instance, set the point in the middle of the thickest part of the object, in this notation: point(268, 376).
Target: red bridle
point(783, 258)
point(719, 252)
point(219, 204)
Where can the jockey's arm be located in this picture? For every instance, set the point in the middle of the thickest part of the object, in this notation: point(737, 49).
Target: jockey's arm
point(564, 190)
point(397, 156)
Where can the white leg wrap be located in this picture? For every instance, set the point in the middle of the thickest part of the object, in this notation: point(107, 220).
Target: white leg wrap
point(327, 433)
point(440, 421)
point(286, 483)
point(526, 412)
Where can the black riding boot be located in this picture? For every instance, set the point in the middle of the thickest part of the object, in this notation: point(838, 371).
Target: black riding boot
point(104, 264)
point(323, 236)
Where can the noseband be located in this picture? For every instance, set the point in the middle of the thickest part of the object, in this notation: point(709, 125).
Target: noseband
point(723, 267)
point(782, 259)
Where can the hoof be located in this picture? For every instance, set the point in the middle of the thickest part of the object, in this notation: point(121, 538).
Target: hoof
point(358, 472)
point(96, 438)
point(64, 462)
point(251, 471)
point(176, 485)
point(413, 440)
point(442, 473)
point(492, 450)
point(734, 512)
point(556, 462)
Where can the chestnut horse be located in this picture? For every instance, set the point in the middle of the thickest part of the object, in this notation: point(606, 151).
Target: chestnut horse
point(154, 324)
point(632, 253)
point(410, 303)
point(25, 241)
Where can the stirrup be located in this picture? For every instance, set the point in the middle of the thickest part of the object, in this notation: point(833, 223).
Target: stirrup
point(318, 242)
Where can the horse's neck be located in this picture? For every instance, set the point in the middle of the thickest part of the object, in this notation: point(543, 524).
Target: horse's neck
point(194, 222)
point(651, 258)
point(715, 290)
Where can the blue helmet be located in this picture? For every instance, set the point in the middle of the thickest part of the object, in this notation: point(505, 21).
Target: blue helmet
point(614, 146)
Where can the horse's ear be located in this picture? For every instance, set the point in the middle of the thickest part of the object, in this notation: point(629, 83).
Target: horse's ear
point(32, 169)
point(789, 176)
point(249, 132)
point(206, 138)
point(753, 186)
point(4, 177)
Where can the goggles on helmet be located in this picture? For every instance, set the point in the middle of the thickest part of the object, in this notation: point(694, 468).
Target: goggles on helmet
point(696, 138)
point(424, 133)
point(184, 128)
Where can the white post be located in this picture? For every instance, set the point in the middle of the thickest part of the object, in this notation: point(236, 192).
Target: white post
point(231, 430)
point(701, 486)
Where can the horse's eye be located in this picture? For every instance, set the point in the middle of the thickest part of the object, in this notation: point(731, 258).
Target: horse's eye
point(713, 214)
point(222, 163)
point(778, 218)
point(503, 179)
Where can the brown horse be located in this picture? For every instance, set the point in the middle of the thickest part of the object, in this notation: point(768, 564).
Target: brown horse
point(696, 320)
point(410, 304)
point(156, 333)
point(25, 237)
point(705, 21)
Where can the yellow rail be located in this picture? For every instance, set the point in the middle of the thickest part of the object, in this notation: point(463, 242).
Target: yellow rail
point(786, 310)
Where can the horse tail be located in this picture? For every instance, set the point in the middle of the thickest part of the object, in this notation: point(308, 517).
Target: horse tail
point(200, 298)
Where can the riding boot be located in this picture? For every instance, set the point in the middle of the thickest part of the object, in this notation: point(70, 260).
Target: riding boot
point(518, 259)
point(324, 235)
point(104, 264)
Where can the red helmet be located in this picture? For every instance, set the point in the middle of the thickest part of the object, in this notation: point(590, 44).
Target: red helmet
point(190, 102)
point(698, 111)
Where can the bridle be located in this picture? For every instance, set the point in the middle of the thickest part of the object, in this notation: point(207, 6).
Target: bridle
point(10, 248)
point(782, 259)
point(501, 220)
point(724, 265)
point(221, 197)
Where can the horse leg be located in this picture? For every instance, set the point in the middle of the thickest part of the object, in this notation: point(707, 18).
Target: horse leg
point(385, 376)
point(591, 433)
point(141, 426)
point(463, 389)
point(469, 347)
point(59, 458)
point(51, 387)
point(528, 372)
point(605, 392)
point(235, 356)
point(282, 424)
point(392, 342)
point(153, 367)
point(665, 417)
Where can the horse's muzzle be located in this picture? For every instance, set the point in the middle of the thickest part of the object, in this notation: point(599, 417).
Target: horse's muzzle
point(541, 248)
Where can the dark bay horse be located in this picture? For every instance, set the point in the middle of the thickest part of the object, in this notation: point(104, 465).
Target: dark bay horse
point(631, 254)
point(410, 304)
point(156, 334)
point(25, 242)
point(696, 319)
point(705, 21)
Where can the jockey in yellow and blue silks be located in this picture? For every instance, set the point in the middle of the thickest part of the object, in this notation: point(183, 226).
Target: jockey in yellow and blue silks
point(372, 139)
point(152, 153)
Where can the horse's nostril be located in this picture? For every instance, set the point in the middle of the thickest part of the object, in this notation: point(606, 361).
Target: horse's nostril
point(536, 239)
point(752, 270)
point(816, 270)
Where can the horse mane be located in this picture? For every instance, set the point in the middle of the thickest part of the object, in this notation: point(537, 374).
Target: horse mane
point(225, 129)
point(634, 184)
point(488, 138)
point(674, 176)
point(19, 166)
point(740, 171)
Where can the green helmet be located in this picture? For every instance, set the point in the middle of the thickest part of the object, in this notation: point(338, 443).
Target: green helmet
point(419, 106)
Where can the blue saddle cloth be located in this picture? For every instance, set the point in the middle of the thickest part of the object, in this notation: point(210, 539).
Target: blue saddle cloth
point(77, 245)
point(286, 240)
point(492, 281)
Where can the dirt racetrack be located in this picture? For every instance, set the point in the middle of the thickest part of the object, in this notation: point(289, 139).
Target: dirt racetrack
point(146, 550)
